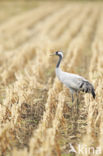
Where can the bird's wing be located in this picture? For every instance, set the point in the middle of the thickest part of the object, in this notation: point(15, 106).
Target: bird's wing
point(87, 87)
point(77, 83)
point(72, 80)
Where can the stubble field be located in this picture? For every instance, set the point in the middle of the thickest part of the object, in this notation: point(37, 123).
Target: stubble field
point(37, 117)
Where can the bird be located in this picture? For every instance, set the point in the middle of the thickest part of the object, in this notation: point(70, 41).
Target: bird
point(74, 82)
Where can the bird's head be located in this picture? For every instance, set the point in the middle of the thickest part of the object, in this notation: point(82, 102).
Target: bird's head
point(58, 53)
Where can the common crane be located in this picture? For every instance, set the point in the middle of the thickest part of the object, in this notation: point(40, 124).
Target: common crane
point(72, 81)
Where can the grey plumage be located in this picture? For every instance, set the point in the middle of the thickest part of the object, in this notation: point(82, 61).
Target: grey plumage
point(74, 82)
point(87, 88)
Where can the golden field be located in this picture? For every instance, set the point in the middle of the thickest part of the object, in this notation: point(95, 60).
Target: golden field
point(37, 117)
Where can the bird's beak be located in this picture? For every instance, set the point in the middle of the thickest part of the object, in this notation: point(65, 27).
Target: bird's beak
point(52, 54)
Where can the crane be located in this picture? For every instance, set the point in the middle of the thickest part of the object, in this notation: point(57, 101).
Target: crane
point(74, 82)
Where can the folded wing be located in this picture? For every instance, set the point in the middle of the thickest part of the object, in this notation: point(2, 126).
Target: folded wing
point(77, 83)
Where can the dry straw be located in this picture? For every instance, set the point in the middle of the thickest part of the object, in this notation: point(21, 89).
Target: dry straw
point(94, 120)
point(27, 76)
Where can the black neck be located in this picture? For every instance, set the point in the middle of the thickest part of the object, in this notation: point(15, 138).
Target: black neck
point(58, 64)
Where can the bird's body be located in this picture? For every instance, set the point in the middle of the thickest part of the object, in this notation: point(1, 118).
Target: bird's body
point(74, 82)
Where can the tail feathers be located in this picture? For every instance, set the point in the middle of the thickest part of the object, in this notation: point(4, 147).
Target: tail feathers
point(93, 93)
point(88, 88)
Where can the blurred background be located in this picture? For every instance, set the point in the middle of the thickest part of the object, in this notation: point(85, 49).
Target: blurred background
point(37, 117)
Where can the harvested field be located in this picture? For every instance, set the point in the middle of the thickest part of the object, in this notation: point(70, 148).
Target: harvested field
point(37, 116)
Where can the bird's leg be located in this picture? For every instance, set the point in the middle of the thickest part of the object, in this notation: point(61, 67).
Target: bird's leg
point(72, 98)
point(72, 110)
point(77, 102)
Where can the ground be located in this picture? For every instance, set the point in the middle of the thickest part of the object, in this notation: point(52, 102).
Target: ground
point(37, 116)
